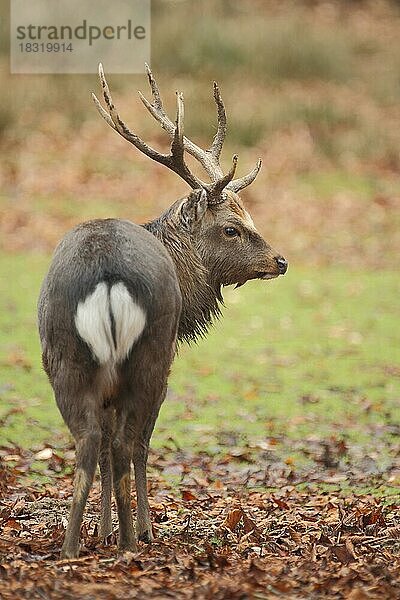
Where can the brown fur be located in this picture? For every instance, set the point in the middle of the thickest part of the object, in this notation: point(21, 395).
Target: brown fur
point(236, 206)
point(199, 298)
point(205, 260)
point(125, 488)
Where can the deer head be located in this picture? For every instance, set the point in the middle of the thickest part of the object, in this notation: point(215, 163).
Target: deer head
point(213, 216)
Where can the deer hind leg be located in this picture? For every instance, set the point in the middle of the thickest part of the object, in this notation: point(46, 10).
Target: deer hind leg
point(87, 439)
point(150, 392)
point(105, 472)
point(140, 455)
point(149, 385)
point(121, 453)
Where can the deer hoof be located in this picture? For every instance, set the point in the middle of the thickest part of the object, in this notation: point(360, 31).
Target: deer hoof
point(128, 548)
point(69, 552)
point(146, 537)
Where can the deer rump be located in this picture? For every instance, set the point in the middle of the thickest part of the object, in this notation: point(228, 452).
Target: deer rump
point(109, 282)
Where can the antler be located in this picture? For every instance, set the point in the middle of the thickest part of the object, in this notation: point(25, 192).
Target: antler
point(174, 160)
point(238, 184)
point(209, 159)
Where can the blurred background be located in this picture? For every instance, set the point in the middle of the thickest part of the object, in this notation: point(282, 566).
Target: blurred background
point(313, 88)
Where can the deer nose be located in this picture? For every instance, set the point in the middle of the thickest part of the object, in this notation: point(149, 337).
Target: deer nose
point(282, 264)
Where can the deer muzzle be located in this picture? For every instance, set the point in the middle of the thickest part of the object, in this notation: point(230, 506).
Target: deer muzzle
point(279, 267)
point(282, 264)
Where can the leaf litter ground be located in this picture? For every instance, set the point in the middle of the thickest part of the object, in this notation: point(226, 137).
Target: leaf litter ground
point(225, 527)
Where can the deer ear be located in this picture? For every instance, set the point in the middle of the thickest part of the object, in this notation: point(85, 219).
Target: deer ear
point(193, 209)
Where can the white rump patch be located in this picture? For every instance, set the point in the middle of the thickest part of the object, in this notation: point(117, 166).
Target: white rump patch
point(129, 319)
point(93, 322)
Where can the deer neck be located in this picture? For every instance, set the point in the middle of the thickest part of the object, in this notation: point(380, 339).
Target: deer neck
point(200, 299)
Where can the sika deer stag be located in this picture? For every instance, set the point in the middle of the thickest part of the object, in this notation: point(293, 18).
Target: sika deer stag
point(117, 298)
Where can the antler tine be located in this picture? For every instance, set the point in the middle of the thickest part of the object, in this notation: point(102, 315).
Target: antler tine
point(177, 162)
point(156, 109)
point(154, 89)
point(219, 138)
point(238, 184)
point(114, 120)
point(216, 188)
point(174, 160)
point(102, 112)
point(177, 147)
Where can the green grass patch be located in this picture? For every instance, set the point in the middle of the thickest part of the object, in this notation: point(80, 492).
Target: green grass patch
point(314, 355)
point(327, 184)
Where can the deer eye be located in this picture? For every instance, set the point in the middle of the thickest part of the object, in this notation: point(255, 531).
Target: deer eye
point(231, 231)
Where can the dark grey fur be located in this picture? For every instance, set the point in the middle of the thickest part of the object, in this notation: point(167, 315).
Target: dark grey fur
point(173, 268)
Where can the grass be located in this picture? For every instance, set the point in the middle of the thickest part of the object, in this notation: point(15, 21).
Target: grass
point(324, 185)
point(308, 359)
point(311, 355)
